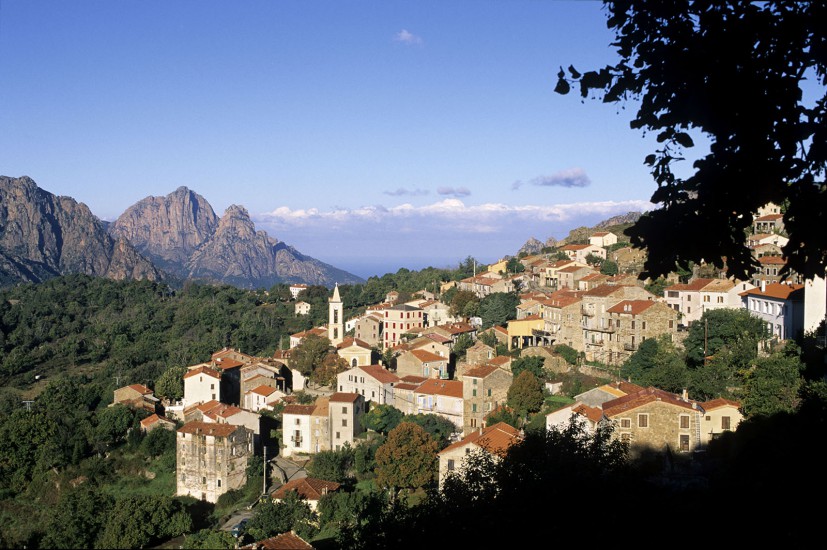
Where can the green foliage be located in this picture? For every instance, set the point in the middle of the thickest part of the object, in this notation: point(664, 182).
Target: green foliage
point(609, 267)
point(525, 394)
point(345, 510)
point(333, 465)
point(291, 513)
point(657, 286)
point(463, 342)
point(748, 103)
point(438, 427)
point(719, 328)
point(532, 363)
point(464, 301)
point(407, 459)
point(138, 521)
point(310, 354)
point(209, 539)
point(514, 265)
point(382, 418)
point(158, 441)
point(170, 384)
point(773, 386)
point(657, 362)
point(113, 423)
point(498, 308)
point(364, 460)
point(504, 414)
point(78, 518)
point(567, 352)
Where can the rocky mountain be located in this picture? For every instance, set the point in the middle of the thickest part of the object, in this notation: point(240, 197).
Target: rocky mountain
point(181, 233)
point(43, 235)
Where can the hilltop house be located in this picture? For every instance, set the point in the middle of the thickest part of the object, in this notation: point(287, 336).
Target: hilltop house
point(494, 440)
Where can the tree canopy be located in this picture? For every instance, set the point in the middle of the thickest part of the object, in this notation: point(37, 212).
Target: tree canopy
point(526, 393)
point(407, 459)
point(732, 74)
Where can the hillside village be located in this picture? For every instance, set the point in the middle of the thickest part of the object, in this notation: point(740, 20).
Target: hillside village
point(421, 356)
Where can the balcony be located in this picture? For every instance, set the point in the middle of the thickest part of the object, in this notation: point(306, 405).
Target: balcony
point(598, 343)
point(604, 329)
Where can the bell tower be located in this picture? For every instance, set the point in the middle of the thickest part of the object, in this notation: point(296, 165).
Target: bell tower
point(335, 320)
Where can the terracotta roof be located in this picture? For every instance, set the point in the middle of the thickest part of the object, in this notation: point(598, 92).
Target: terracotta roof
point(457, 328)
point(481, 371)
point(411, 386)
point(499, 360)
point(719, 285)
point(575, 246)
point(310, 488)
point(769, 218)
point(772, 260)
point(594, 414)
point(263, 390)
point(780, 291)
point(427, 356)
point(438, 338)
point(140, 388)
point(321, 407)
point(718, 403)
point(500, 328)
point(208, 428)
point(380, 373)
point(304, 410)
point(572, 269)
point(494, 439)
point(152, 419)
point(203, 370)
point(348, 342)
point(602, 290)
point(449, 388)
point(344, 397)
point(638, 399)
point(632, 307)
point(527, 318)
point(562, 301)
point(208, 405)
point(600, 234)
point(412, 379)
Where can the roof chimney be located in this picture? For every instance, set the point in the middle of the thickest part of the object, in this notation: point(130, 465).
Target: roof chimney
point(763, 285)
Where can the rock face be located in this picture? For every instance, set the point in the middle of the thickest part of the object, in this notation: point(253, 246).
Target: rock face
point(629, 217)
point(182, 234)
point(167, 230)
point(44, 236)
point(531, 246)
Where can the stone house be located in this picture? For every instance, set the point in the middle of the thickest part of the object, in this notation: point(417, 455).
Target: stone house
point(484, 388)
point(404, 393)
point(373, 382)
point(494, 440)
point(155, 421)
point(442, 398)
point(769, 223)
point(346, 412)
point(561, 316)
point(437, 313)
point(570, 276)
point(654, 420)
point(692, 299)
point(769, 271)
point(632, 322)
point(369, 330)
point(420, 362)
point(479, 353)
point(595, 397)
point(296, 289)
point(262, 397)
point(594, 320)
point(268, 372)
point(526, 332)
point(137, 396)
point(211, 459)
point(592, 280)
point(310, 489)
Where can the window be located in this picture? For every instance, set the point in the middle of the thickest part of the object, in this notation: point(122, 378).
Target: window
point(473, 393)
point(626, 437)
point(338, 436)
point(344, 422)
point(219, 483)
point(684, 421)
point(633, 325)
point(671, 323)
point(450, 465)
point(643, 421)
point(474, 381)
point(344, 409)
point(474, 407)
point(298, 421)
point(725, 423)
point(684, 443)
point(489, 392)
point(625, 422)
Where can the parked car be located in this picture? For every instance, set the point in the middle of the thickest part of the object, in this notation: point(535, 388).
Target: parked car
point(239, 527)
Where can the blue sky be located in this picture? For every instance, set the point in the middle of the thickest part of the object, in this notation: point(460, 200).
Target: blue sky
point(371, 135)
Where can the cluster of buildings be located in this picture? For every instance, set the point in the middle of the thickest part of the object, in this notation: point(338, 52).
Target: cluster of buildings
point(562, 301)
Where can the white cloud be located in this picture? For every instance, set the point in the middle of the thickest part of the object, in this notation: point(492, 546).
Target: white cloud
point(455, 191)
point(401, 191)
point(573, 177)
point(406, 37)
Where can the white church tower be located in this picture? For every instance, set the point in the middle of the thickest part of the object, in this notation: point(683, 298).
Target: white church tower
point(335, 321)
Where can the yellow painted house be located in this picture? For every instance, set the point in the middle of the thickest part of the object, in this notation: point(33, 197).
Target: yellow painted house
point(527, 332)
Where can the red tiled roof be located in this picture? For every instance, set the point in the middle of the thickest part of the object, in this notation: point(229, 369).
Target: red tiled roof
point(772, 260)
point(380, 373)
point(603, 290)
point(203, 370)
point(450, 388)
point(344, 397)
point(152, 419)
point(140, 388)
point(499, 360)
point(299, 409)
point(769, 218)
point(638, 399)
point(780, 291)
point(226, 363)
point(632, 307)
point(284, 541)
point(481, 371)
point(494, 439)
point(427, 356)
point(718, 403)
point(310, 488)
point(263, 390)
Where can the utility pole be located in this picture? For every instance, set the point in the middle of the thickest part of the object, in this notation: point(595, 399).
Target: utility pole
point(706, 331)
point(28, 405)
point(264, 487)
